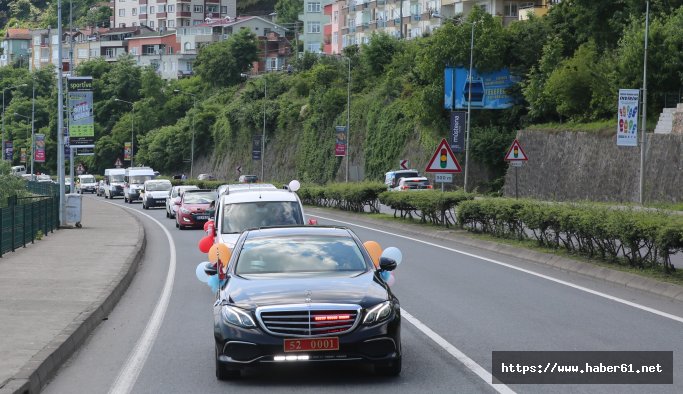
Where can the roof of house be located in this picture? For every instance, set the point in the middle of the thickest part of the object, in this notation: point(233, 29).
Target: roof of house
point(18, 34)
point(236, 21)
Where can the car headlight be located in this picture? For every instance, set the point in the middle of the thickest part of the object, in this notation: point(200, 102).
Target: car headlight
point(378, 313)
point(237, 317)
point(185, 211)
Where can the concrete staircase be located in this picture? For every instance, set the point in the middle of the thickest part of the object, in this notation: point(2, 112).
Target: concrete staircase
point(665, 123)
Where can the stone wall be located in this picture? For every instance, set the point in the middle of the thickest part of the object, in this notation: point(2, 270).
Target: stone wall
point(677, 127)
point(571, 166)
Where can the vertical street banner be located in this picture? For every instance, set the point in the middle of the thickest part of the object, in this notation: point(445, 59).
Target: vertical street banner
point(67, 147)
point(457, 132)
point(256, 147)
point(126, 151)
point(81, 119)
point(340, 143)
point(8, 150)
point(40, 148)
point(22, 155)
point(627, 117)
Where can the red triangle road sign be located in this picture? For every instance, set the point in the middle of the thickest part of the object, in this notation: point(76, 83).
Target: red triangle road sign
point(516, 153)
point(444, 160)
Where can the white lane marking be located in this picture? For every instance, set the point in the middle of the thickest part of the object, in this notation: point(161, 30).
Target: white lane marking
point(550, 278)
point(136, 359)
point(455, 352)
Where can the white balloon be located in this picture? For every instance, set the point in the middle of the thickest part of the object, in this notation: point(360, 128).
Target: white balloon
point(201, 275)
point(294, 185)
point(393, 253)
point(392, 280)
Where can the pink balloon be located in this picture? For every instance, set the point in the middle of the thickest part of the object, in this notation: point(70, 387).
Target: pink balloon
point(392, 279)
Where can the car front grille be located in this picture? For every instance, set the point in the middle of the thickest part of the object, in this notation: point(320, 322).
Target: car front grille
point(309, 320)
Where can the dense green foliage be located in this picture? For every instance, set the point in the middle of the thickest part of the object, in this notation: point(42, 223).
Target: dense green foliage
point(637, 238)
point(10, 185)
point(429, 206)
point(571, 64)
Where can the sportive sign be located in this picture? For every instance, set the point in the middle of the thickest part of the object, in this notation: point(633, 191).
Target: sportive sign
point(516, 153)
point(443, 160)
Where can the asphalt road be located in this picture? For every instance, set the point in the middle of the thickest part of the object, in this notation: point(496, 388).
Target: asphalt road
point(475, 306)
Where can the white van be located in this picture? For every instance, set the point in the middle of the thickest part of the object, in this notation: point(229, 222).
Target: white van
point(18, 170)
point(86, 183)
point(113, 182)
point(155, 192)
point(134, 179)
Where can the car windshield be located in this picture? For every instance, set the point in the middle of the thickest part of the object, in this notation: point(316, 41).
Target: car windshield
point(116, 178)
point(158, 186)
point(302, 254)
point(199, 197)
point(180, 189)
point(139, 179)
point(242, 216)
point(87, 179)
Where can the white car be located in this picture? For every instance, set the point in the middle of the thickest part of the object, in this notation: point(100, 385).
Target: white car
point(414, 183)
point(155, 192)
point(253, 208)
point(86, 183)
point(173, 195)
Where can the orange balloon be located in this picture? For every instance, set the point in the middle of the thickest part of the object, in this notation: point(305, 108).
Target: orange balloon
point(220, 252)
point(375, 250)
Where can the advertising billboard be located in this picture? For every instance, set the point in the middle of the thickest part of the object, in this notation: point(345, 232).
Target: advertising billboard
point(8, 150)
point(340, 141)
point(126, 151)
point(627, 117)
point(485, 90)
point(81, 119)
point(40, 148)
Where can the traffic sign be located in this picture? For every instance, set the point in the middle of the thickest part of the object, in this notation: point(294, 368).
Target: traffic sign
point(443, 178)
point(239, 169)
point(404, 164)
point(118, 163)
point(516, 153)
point(443, 160)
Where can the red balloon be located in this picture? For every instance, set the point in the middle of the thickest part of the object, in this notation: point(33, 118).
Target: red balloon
point(205, 244)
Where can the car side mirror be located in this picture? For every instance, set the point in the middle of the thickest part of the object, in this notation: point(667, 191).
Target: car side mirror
point(176, 201)
point(312, 222)
point(210, 269)
point(387, 264)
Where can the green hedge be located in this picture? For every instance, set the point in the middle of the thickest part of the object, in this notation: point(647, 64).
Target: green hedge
point(639, 238)
point(356, 196)
point(429, 205)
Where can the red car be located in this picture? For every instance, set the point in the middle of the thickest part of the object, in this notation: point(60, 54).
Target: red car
point(195, 208)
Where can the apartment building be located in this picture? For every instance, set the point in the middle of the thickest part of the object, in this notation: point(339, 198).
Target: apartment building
point(314, 19)
point(15, 47)
point(169, 14)
point(508, 10)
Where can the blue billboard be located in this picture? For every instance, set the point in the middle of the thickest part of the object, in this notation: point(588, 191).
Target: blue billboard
point(488, 90)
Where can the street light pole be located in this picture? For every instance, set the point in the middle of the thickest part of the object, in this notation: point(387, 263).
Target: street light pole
point(348, 120)
point(33, 122)
point(644, 121)
point(263, 136)
point(469, 109)
point(60, 118)
point(132, 129)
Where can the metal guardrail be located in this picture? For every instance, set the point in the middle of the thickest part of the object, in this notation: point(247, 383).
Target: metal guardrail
point(24, 217)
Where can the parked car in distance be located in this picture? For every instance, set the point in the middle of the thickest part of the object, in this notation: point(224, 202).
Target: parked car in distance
point(155, 192)
point(392, 178)
point(86, 183)
point(206, 177)
point(248, 179)
point(44, 178)
point(193, 206)
point(174, 195)
point(302, 295)
point(416, 183)
point(18, 170)
point(114, 179)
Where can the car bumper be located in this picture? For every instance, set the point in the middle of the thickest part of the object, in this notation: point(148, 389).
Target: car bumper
point(133, 196)
point(189, 219)
point(240, 348)
point(154, 202)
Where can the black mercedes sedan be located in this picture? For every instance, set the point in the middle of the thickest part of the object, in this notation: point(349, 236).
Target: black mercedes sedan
point(305, 294)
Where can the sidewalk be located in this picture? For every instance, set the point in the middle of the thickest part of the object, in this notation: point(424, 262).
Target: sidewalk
point(55, 292)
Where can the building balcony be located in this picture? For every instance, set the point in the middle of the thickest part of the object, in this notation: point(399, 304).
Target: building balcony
point(381, 2)
point(184, 14)
point(161, 1)
point(327, 30)
point(183, 1)
point(392, 22)
point(143, 17)
point(212, 15)
point(416, 18)
point(344, 30)
point(327, 48)
point(161, 14)
point(212, 1)
point(142, 2)
point(536, 9)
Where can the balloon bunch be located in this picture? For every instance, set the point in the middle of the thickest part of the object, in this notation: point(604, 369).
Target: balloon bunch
point(375, 251)
point(206, 242)
point(219, 255)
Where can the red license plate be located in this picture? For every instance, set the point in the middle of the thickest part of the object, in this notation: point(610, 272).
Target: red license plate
point(311, 344)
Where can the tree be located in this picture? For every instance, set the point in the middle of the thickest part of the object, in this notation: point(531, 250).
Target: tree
point(379, 52)
point(288, 11)
point(222, 63)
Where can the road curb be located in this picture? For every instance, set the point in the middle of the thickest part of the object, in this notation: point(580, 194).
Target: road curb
point(626, 279)
point(33, 376)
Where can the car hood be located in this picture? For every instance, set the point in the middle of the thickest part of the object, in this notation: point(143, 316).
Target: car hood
point(158, 194)
point(261, 290)
point(196, 207)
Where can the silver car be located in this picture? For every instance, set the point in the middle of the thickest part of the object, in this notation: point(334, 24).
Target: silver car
point(175, 193)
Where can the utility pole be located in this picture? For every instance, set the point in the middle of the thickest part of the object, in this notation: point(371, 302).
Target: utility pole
point(33, 123)
point(348, 120)
point(60, 117)
point(71, 73)
point(469, 109)
point(263, 136)
point(644, 122)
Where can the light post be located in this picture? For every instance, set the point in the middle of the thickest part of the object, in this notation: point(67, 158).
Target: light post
point(32, 142)
point(263, 136)
point(194, 105)
point(3, 115)
point(469, 109)
point(348, 120)
point(132, 130)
